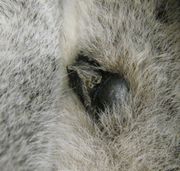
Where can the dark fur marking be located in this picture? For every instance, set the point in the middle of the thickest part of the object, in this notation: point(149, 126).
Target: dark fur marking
point(161, 12)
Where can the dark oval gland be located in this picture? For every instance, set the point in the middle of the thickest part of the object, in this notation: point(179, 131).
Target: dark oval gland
point(114, 89)
point(96, 87)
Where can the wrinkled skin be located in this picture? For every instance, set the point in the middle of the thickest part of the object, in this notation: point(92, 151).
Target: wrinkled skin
point(45, 126)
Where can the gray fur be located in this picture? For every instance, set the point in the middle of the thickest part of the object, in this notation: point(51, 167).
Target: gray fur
point(43, 125)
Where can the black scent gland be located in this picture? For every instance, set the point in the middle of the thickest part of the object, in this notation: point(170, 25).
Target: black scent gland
point(113, 89)
point(96, 87)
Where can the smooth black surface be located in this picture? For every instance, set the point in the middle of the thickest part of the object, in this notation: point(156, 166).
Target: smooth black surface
point(112, 88)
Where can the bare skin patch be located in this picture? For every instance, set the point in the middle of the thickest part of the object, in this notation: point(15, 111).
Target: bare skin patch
point(95, 86)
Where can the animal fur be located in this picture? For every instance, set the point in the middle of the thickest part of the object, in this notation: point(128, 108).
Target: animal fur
point(43, 125)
